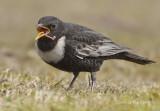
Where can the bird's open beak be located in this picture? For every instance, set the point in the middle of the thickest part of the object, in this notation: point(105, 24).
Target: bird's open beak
point(42, 31)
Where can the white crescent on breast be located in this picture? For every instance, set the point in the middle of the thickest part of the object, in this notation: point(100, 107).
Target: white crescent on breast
point(54, 55)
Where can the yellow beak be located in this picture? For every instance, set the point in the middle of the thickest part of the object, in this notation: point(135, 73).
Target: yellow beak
point(42, 31)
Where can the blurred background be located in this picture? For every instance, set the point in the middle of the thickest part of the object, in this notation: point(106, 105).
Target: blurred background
point(131, 23)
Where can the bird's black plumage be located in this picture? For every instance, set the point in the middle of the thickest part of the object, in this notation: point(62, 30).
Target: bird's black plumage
point(81, 48)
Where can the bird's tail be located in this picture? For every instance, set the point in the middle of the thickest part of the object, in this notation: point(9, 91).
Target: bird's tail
point(132, 58)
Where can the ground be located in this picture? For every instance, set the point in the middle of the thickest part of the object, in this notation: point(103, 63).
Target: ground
point(29, 84)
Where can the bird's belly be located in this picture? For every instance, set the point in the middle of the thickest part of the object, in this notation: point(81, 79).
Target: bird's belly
point(78, 65)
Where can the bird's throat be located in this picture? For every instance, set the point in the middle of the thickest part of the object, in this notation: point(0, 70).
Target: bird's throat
point(46, 44)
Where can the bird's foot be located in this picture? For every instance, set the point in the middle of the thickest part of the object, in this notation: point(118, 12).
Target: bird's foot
point(69, 88)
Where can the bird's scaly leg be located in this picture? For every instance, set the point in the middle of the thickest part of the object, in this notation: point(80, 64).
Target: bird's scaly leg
point(93, 78)
point(74, 78)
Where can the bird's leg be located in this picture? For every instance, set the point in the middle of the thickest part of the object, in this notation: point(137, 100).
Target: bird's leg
point(74, 78)
point(93, 78)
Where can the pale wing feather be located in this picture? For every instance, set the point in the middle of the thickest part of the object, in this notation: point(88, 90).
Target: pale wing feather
point(98, 49)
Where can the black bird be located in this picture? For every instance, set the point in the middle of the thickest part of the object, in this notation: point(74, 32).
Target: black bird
point(75, 48)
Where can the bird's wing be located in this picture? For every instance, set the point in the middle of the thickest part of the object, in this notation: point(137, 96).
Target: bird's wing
point(92, 44)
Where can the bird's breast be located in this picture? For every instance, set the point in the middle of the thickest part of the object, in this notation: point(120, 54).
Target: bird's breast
point(54, 55)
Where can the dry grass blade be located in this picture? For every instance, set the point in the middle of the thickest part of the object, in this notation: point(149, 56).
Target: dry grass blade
point(58, 82)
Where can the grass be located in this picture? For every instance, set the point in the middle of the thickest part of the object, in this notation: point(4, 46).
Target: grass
point(27, 83)
point(28, 92)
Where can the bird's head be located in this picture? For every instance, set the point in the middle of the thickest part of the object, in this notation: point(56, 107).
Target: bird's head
point(49, 27)
point(50, 30)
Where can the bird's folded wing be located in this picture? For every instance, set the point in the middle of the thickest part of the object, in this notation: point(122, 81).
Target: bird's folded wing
point(95, 50)
point(91, 44)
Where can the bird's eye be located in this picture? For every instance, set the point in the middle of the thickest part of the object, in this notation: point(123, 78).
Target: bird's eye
point(51, 26)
